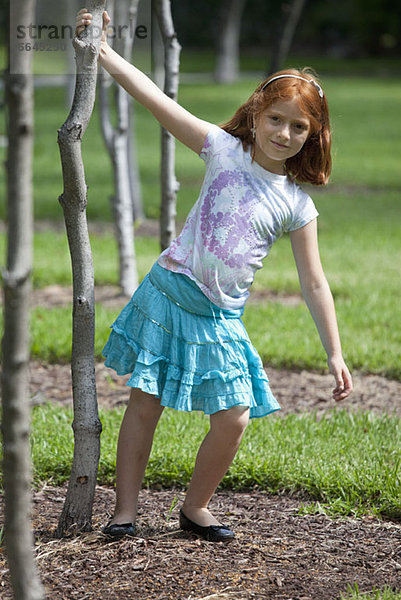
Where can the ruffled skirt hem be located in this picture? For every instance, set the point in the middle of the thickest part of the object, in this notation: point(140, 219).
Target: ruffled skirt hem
point(190, 362)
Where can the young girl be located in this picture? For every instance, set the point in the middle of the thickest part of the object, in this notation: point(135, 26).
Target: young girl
point(180, 336)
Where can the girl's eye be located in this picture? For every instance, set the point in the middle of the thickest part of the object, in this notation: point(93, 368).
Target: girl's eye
point(300, 126)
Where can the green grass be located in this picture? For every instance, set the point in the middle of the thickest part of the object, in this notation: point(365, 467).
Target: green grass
point(105, 258)
point(51, 335)
point(348, 463)
point(57, 271)
point(387, 593)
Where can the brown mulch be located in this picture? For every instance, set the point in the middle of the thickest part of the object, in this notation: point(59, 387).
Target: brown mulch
point(277, 553)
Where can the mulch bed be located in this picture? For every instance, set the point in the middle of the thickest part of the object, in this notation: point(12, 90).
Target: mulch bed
point(276, 553)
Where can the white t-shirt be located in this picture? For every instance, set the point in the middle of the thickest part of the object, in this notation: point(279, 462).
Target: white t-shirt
point(241, 210)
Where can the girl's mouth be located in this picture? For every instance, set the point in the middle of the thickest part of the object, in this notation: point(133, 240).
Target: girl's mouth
point(279, 145)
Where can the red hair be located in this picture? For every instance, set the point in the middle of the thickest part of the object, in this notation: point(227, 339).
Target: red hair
point(312, 164)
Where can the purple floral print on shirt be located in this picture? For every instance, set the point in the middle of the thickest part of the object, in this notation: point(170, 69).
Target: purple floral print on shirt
point(222, 231)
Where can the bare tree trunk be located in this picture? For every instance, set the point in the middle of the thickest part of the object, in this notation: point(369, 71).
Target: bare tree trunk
point(25, 581)
point(228, 34)
point(282, 48)
point(71, 11)
point(132, 157)
point(117, 144)
point(169, 183)
point(127, 201)
point(77, 510)
point(157, 51)
point(133, 167)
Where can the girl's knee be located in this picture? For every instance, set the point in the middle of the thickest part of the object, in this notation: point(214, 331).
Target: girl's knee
point(231, 422)
point(145, 406)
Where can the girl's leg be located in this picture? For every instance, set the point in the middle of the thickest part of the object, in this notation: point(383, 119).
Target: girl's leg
point(133, 449)
point(213, 460)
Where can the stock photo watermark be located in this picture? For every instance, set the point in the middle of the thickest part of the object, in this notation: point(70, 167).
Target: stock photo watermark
point(49, 38)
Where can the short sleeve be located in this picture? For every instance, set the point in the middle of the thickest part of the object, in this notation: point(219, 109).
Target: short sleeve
point(304, 211)
point(216, 139)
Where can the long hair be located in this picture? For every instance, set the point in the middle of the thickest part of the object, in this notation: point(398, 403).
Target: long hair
point(312, 164)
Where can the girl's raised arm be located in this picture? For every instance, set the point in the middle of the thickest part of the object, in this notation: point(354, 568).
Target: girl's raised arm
point(187, 128)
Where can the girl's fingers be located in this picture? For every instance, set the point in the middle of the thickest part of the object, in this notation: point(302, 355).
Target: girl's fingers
point(344, 387)
point(106, 19)
point(83, 20)
point(347, 382)
point(343, 379)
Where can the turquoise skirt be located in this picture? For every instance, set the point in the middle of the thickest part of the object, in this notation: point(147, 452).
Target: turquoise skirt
point(180, 347)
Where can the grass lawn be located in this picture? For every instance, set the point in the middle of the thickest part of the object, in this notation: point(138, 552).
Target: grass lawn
point(348, 463)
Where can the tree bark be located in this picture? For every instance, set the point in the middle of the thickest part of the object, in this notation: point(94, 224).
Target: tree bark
point(77, 510)
point(133, 167)
point(71, 11)
point(116, 140)
point(283, 46)
point(129, 13)
point(157, 52)
point(25, 581)
point(126, 202)
point(228, 36)
point(169, 183)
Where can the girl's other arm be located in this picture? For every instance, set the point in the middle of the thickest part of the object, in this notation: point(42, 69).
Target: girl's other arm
point(318, 297)
point(187, 128)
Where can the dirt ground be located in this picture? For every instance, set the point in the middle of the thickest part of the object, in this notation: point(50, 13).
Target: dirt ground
point(277, 553)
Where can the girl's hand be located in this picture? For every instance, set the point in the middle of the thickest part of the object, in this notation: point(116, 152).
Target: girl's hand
point(342, 377)
point(84, 19)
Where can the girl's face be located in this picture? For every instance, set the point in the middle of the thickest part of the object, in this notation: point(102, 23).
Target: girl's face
point(281, 131)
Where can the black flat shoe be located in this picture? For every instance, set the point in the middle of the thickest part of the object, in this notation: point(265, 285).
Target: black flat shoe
point(119, 530)
point(212, 533)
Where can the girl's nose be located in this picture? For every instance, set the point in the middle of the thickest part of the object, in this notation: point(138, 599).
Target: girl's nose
point(285, 132)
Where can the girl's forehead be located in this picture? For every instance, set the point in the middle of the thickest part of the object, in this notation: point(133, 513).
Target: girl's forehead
point(289, 108)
